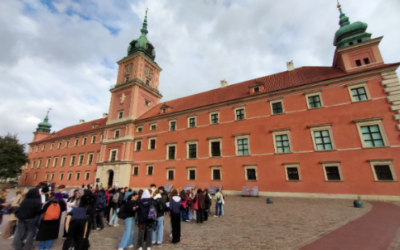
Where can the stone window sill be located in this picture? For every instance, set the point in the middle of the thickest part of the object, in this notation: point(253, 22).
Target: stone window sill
point(315, 108)
point(329, 150)
point(375, 147)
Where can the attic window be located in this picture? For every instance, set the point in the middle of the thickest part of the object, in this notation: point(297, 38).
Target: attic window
point(351, 43)
point(147, 103)
point(366, 61)
point(126, 78)
point(358, 62)
point(256, 89)
point(359, 41)
point(164, 110)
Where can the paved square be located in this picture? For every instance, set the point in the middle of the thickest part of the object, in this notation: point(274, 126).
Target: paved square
point(248, 223)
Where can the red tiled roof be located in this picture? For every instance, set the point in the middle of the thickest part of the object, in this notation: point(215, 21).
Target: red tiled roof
point(279, 81)
point(76, 129)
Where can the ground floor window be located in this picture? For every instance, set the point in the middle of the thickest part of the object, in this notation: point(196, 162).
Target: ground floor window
point(170, 174)
point(383, 170)
point(250, 173)
point(216, 173)
point(150, 170)
point(191, 174)
point(135, 171)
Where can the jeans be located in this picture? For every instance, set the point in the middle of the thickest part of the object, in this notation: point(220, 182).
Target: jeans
point(192, 214)
point(114, 217)
point(159, 226)
point(218, 206)
point(222, 209)
point(45, 244)
point(24, 226)
point(185, 214)
point(145, 227)
point(99, 219)
point(127, 238)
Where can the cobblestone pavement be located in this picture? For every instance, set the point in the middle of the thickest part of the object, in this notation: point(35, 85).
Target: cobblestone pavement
point(248, 223)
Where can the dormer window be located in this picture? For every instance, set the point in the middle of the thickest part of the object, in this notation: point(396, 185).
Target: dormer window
point(164, 110)
point(256, 89)
point(358, 63)
point(126, 78)
point(366, 61)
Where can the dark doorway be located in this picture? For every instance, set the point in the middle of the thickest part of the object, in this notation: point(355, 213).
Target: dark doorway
point(110, 178)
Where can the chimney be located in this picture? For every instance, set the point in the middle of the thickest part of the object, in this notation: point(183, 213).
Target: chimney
point(81, 121)
point(224, 84)
point(290, 65)
point(105, 115)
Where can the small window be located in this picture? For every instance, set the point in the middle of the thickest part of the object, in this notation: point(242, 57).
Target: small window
point(33, 164)
point(372, 136)
point(116, 134)
point(277, 108)
point(172, 126)
point(366, 61)
point(359, 94)
point(138, 145)
point(171, 152)
point(332, 173)
point(148, 82)
point(383, 173)
point(81, 160)
point(61, 176)
point(48, 162)
point(47, 176)
point(73, 160)
point(93, 139)
point(52, 176)
point(192, 122)
point(55, 162)
point(292, 173)
point(215, 149)
point(76, 142)
point(322, 140)
point(170, 174)
point(52, 146)
point(147, 103)
point(35, 178)
point(69, 176)
point(126, 78)
point(359, 41)
point(113, 156)
point(140, 129)
point(351, 43)
point(87, 175)
point(153, 127)
point(358, 63)
point(84, 141)
point(149, 170)
point(153, 144)
point(314, 101)
point(78, 175)
point(90, 160)
point(240, 114)
point(135, 171)
point(216, 174)
point(39, 163)
point(26, 177)
point(44, 147)
point(191, 174)
point(192, 151)
point(256, 89)
point(282, 143)
point(63, 161)
point(251, 173)
point(243, 146)
point(214, 118)
point(120, 114)
point(163, 110)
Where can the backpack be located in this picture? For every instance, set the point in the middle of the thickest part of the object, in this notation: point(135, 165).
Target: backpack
point(219, 199)
point(152, 213)
point(160, 206)
point(115, 198)
point(122, 214)
point(102, 201)
point(53, 212)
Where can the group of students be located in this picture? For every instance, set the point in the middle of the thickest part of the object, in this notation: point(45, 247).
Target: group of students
point(35, 215)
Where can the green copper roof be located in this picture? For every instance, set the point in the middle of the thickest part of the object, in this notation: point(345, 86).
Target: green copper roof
point(142, 44)
point(350, 34)
point(44, 126)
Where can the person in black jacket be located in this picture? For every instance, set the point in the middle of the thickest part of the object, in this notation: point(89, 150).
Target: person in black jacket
point(174, 208)
point(89, 202)
point(159, 224)
point(129, 211)
point(146, 201)
point(29, 208)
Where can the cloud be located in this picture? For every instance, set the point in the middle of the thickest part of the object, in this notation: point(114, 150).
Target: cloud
point(62, 53)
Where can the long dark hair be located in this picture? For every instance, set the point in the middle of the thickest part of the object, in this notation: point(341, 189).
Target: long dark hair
point(183, 195)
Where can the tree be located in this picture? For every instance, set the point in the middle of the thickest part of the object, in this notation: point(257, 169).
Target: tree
point(12, 156)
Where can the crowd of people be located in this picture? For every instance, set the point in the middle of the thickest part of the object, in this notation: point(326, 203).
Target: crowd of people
point(36, 214)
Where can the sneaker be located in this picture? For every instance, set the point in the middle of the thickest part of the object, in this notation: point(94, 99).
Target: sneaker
point(11, 237)
point(149, 248)
point(159, 243)
point(187, 220)
point(120, 249)
point(170, 235)
point(215, 215)
point(116, 225)
point(140, 248)
point(98, 228)
point(131, 246)
point(110, 224)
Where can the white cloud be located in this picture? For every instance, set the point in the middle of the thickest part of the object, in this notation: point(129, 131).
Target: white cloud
point(63, 55)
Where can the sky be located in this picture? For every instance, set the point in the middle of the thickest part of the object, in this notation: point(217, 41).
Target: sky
point(62, 54)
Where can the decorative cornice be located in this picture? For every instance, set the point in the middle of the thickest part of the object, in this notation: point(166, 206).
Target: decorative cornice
point(279, 130)
point(242, 134)
point(137, 55)
point(215, 137)
point(320, 125)
point(368, 119)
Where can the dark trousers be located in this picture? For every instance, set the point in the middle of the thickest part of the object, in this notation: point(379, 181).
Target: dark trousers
point(205, 213)
point(75, 234)
point(99, 221)
point(24, 226)
point(199, 215)
point(176, 227)
point(148, 228)
point(107, 211)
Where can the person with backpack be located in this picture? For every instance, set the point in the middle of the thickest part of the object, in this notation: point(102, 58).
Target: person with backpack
point(127, 212)
point(218, 203)
point(116, 204)
point(101, 205)
point(159, 224)
point(174, 208)
point(89, 202)
point(76, 226)
point(207, 204)
point(147, 214)
point(107, 210)
point(50, 224)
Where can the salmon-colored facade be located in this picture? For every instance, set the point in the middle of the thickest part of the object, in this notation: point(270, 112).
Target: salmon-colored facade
point(306, 132)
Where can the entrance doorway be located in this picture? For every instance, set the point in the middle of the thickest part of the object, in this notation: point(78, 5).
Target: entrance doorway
point(110, 178)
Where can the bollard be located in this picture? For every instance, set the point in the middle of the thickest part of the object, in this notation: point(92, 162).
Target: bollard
point(358, 204)
point(270, 201)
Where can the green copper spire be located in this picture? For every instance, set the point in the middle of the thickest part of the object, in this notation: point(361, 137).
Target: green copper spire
point(350, 34)
point(44, 127)
point(142, 44)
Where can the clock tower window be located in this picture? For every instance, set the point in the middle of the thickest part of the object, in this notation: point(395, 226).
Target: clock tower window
point(126, 78)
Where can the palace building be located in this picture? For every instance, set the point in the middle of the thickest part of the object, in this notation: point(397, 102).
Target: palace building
point(318, 131)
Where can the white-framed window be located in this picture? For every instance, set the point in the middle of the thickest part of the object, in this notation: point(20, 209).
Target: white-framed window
point(359, 92)
point(242, 143)
point(46, 176)
point(214, 117)
point(116, 133)
point(191, 173)
point(152, 143)
point(256, 90)
point(44, 147)
point(138, 145)
point(72, 160)
point(216, 173)
point(120, 114)
point(322, 137)
point(84, 140)
point(33, 164)
point(153, 126)
point(281, 140)
point(240, 113)
point(150, 170)
point(371, 132)
point(61, 176)
point(139, 129)
point(172, 125)
point(93, 138)
point(146, 102)
point(69, 176)
point(52, 146)
point(35, 178)
point(292, 171)
point(164, 110)
point(63, 159)
point(135, 170)
point(80, 163)
point(113, 155)
point(55, 162)
point(191, 149)
point(171, 151)
point(39, 163)
point(191, 121)
point(87, 175)
point(90, 159)
point(314, 100)
point(76, 142)
point(250, 173)
point(332, 171)
point(215, 147)
point(48, 162)
point(78, 175)
point(170, 174)
point(26, 177)
point(277, 107)
point(59, 145)
point(52, 176)
point(66, 143)
point(383, 170)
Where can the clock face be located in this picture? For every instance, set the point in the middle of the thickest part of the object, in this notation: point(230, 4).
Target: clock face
point(128, 68)
point(148, 72)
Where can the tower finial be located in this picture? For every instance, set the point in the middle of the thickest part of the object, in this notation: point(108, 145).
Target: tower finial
point(48, 111)
point(144, 27)
point(338, 4)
